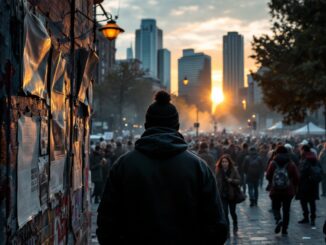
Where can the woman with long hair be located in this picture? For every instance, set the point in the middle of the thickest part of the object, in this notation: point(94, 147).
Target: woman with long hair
point(228, 179)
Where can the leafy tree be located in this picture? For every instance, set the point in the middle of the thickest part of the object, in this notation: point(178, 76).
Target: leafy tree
point(126, 91)
point(293, 58)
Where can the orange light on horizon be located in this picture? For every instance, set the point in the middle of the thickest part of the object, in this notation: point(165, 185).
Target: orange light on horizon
point(217, 97)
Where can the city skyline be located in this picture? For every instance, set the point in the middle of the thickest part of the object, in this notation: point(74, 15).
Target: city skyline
point(186, 24)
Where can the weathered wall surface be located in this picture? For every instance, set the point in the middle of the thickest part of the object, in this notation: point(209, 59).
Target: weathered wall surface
point(44, 192)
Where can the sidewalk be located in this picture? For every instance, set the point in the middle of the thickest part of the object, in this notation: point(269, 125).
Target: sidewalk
point(256, 224)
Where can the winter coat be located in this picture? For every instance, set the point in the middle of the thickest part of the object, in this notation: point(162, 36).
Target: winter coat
point(161, 193)
point(209, 159)
point(293, 173)
point(227, 189)
point(96, 167)
point(240, 160)
point(322, 160)
point(308, 189)
point(253, 166)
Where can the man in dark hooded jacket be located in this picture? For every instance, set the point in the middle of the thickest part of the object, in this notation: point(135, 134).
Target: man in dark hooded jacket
point(161, 193)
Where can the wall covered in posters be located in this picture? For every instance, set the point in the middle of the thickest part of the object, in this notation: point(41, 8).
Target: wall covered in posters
point(44, 192)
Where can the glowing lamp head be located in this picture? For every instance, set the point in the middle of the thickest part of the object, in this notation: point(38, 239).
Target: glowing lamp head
point(185, 81)
point(111, 30)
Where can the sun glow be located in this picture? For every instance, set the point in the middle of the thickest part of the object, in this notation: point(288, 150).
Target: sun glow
point(217, 97)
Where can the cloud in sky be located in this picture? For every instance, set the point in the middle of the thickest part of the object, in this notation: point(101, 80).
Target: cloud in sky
point(193, 24)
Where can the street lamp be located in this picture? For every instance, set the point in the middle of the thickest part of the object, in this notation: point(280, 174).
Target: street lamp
point(185, 81)
point(196, 124)
point(111, 30)
point(244, 104)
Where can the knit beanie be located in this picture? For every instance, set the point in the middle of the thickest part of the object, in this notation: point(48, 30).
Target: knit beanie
point(161, 113)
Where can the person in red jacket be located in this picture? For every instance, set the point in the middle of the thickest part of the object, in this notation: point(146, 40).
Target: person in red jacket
point(283, 177)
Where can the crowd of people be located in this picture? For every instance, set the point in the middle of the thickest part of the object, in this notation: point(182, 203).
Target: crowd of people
point(238, 161)
point(166, 188)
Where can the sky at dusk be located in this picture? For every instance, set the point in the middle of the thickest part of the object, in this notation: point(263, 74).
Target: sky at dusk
point(198, 24)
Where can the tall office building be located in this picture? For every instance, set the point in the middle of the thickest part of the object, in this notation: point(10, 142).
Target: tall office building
point(164, 68)
point(233, 66)
point(196, 67)
point(149, 39)
point(106, 52)
point(130, 54)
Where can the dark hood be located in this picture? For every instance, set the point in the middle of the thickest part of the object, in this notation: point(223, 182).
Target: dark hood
point(159, 142)
point(282, 158)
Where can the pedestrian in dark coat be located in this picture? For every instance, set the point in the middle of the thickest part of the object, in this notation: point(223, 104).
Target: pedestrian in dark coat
point(282, 197)
point(253, 166)
point(228, 179)
point(240, 162)
point(322, 160)
point(205, 155)
point(161, 193)
point(308, 191)
point(96, 168)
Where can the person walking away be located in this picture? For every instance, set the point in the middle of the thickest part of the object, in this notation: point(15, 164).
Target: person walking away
point(161, 193)
point(252, 167)
point(308, 191)
point(240, 162)
point(228, 178)
point(283, 177)
point(97, 172)
point(204, 154)
point(119, 151)
point(263, 153)
point(322, 160)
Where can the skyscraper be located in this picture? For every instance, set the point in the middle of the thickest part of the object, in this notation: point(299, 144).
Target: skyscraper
point(149, 39)
point(130, 54)
point(196, 67)
point(164, 68)
point(233, 66)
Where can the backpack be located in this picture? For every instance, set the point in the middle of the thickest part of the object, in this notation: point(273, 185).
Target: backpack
point(316, 173)
point(281, 178)
point(254, 168)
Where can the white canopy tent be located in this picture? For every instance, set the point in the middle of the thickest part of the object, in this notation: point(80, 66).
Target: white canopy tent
point(277, 126)
point(309, 129)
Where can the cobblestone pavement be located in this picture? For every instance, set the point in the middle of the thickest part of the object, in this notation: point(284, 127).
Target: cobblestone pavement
point(256, 224)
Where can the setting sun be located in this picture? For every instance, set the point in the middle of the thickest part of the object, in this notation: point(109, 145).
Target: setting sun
point(217, 97)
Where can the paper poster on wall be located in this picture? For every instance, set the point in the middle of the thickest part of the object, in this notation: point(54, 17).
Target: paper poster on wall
point(28, 198)
point(58, 135)
point(43, 164)
point(77, 167)
point(44, 137)
point(77, 211)
point(91, 62)
point(56, 176)
point(35, 57)
point(58, 158)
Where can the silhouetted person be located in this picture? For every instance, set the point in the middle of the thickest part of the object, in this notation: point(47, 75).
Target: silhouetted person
point(161, 193)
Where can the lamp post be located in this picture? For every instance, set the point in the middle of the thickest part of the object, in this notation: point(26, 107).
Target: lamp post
point(244, 105)
point(196, 124)
point(110, 30)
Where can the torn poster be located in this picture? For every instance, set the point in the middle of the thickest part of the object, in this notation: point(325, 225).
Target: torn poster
point(28, 198)
point(35, 58)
